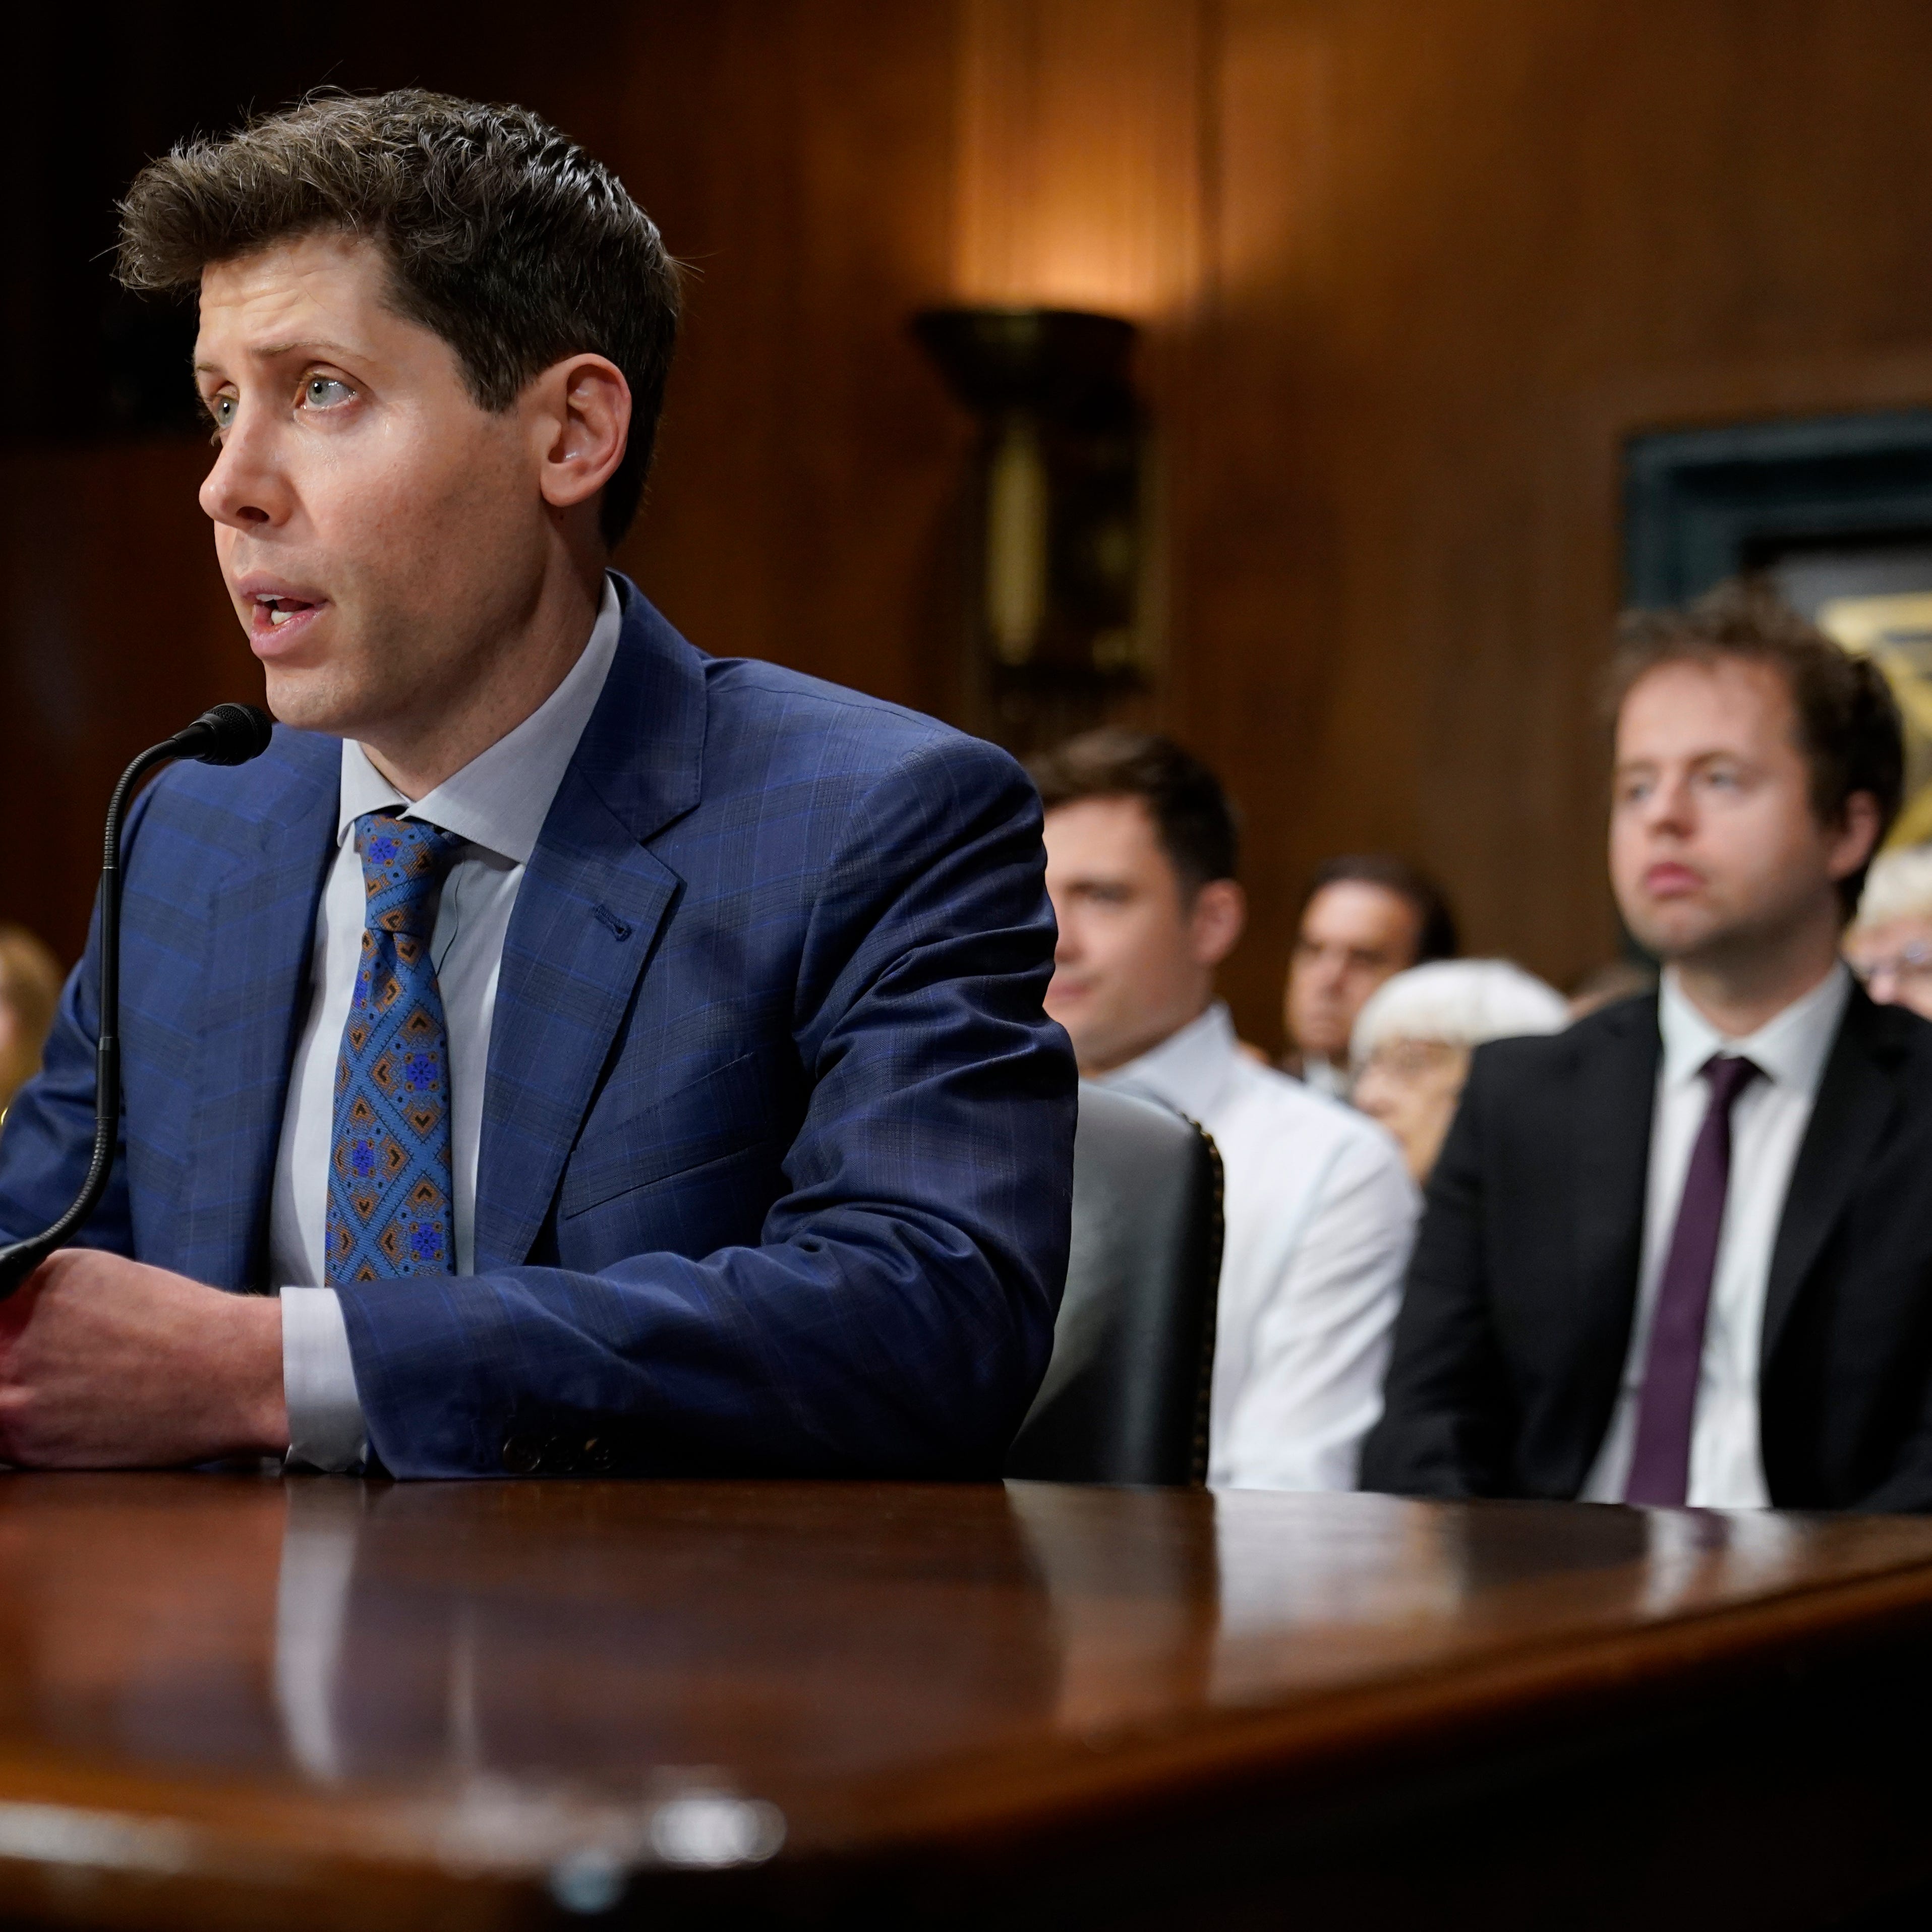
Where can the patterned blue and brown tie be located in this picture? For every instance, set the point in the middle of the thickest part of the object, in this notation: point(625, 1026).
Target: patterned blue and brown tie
point(389, 1179)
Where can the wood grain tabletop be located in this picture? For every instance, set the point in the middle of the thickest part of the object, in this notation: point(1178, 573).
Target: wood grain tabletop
point(227, 1700)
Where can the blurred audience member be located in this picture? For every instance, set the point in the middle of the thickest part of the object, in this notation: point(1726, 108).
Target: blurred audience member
point(1681, 1253)
point(1140, 864)
point(1604, 985)
point(30, 989)
point(1889, 945)
point(1412, 1042)
point(1363, 919)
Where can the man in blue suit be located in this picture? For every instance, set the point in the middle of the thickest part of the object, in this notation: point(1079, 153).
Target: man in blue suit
point(561, 1051)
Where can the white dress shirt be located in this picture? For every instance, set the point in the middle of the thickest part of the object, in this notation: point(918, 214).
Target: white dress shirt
point(497, 804)
point(1768, 1122)
point(1321, 1215)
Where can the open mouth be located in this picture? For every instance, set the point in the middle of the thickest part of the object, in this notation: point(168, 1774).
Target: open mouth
point(279, 617)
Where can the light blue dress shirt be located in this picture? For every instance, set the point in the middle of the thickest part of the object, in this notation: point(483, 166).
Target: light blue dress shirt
point(497, 804)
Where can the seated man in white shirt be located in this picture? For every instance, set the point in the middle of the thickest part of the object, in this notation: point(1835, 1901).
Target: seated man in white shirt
point(1140, 865)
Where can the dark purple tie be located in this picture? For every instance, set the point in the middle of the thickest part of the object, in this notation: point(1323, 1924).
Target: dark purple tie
point(1667, 1406)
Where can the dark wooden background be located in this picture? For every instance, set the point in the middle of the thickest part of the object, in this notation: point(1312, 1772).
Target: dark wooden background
point(1411, 270)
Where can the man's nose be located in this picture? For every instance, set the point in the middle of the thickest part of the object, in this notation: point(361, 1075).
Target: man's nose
point(245, 489)
point(1668, 807)
point(1063, 945)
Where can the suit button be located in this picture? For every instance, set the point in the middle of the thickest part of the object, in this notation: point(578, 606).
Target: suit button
point(600, 1456)
point(522, 1455)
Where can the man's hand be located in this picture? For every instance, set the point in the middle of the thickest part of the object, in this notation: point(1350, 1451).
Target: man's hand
point(107, 1364)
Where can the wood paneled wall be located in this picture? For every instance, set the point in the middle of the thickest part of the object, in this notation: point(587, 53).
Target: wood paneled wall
point(117, 632)
point(1410, 271)
point(797, 154)
point(1463, 249)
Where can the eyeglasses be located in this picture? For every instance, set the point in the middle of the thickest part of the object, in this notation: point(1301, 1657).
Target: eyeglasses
point(1908, 965)
point(1410, 1059)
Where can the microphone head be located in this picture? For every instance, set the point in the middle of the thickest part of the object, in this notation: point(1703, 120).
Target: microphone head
point(229, 734)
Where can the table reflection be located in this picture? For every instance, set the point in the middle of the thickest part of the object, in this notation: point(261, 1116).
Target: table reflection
point(547, 1630)
point(1310, 1595)
point(139, 1631)
point(345, 1632)
point(465, 1638)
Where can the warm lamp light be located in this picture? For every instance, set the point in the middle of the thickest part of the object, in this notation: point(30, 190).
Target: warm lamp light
point(1054, 614)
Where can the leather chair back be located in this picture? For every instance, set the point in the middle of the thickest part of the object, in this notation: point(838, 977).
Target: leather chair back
point(1125, 1400)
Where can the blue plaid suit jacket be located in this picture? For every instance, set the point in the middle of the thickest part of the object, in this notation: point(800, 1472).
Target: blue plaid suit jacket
point(777, 1142)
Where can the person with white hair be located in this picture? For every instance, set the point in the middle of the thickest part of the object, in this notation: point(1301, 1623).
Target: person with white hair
point(1412, 1041)
point(1889, 945)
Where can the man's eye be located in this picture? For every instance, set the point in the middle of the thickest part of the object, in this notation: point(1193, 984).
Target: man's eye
point(222, 410)
point(325, 392)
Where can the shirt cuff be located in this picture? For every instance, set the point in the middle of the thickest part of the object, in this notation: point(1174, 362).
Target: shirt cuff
point(326, 1429)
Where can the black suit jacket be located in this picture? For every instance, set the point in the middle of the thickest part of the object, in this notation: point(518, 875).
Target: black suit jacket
point(1516, 1319)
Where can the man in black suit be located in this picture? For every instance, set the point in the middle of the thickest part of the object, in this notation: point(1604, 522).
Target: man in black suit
point(1683, 1252)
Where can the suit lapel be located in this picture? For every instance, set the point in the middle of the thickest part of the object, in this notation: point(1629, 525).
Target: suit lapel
point(1856, 1099)
point(260, 934)
point(586, 921)
point(1616, 1097)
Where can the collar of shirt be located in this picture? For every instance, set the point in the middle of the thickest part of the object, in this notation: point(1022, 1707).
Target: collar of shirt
point(1189, 1069)
point(1790, 1048)
point(499, 800)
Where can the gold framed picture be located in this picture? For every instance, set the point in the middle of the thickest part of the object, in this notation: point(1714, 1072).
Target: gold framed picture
point(1895, 632)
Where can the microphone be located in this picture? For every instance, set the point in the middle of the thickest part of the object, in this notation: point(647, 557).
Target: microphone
point(229, 734)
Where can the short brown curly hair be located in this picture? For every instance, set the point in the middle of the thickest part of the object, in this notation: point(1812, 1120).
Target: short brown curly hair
point(501, 235)
point(1849, 728)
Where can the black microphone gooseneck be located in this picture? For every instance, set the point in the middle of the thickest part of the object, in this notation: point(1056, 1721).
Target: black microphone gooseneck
point(230, 734)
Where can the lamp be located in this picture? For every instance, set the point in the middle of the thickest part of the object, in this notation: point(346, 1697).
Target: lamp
point(1055, 615)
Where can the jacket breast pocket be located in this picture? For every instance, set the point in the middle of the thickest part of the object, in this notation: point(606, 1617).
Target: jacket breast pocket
point(721, 1112)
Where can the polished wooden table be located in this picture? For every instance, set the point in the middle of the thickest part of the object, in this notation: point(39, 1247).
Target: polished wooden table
point(239, 1701)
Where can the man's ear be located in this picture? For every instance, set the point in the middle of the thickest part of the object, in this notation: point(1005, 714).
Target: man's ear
point(580, 413)
point(1220, 911)
point(1857, 836)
